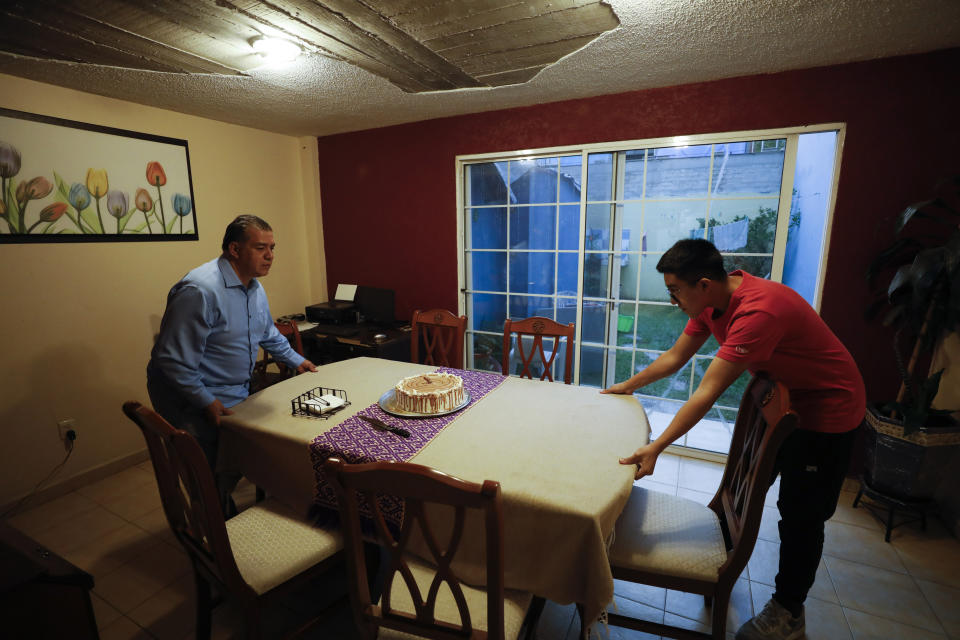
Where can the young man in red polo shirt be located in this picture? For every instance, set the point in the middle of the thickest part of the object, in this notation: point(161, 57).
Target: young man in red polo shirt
point(765, 326)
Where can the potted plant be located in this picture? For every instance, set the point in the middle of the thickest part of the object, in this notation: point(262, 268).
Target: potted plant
point(909, 441)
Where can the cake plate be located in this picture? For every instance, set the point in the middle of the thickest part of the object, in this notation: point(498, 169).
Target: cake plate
point(388, 402)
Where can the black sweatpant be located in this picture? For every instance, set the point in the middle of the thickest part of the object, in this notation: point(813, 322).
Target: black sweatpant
point(812, 467)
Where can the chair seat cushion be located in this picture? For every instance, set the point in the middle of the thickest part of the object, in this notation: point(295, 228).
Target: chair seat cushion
point(666, 534)
point(271, 544)
point(515, 603)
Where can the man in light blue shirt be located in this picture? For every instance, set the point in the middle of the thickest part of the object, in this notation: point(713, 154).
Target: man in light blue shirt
point(216, 320)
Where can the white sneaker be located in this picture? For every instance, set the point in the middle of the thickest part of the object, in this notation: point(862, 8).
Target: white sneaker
point(773, 623)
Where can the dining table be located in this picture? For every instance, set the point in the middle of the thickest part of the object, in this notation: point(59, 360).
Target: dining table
point(554, 449)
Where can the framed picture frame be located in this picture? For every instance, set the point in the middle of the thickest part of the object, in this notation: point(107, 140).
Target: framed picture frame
point(68, 181)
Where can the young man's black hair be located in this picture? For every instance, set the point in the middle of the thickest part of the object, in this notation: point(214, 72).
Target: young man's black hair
point(691, 260)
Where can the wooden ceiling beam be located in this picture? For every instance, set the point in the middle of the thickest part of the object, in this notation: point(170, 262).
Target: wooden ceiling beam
point(446, 8)
point(538, 55)
point(303, 25)
point(200, 26)
point(358, 35)
point(375, 27)
point(418, 45)
point(450, 18)
point(590, 20)
point(59, 34)
point(516, 76)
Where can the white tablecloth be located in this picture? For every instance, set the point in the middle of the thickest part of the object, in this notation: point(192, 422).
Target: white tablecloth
point(552, 447)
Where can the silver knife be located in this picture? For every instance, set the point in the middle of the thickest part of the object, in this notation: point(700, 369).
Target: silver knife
point(380, 425)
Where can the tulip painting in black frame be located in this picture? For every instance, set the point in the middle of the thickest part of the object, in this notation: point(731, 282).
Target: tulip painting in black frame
point(67, 181)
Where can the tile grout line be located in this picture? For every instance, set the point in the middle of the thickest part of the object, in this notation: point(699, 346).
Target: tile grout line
point(93, 505)
point(844, 607)
point(937, 580)
point(843, 610)
point(808, 597)
point(933, 610)
point(854, 524)
point(566, 632)
point(155, 538)
point(157, 541)
point(899, 622)
point(905, 571)
point(124, 616)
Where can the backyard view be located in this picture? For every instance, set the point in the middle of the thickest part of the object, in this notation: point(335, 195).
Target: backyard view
point(536, 245)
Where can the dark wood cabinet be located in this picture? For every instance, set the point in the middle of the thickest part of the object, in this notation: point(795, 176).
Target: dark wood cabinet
point(321, 348)
point(41, 594)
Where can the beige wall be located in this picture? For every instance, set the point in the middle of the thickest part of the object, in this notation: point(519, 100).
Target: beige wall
point(948, 357)
point(78, 320)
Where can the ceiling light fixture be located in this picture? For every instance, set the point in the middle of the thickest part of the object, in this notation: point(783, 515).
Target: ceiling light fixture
point(275, 49)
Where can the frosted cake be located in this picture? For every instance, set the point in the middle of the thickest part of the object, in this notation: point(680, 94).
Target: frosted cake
point(429, 393)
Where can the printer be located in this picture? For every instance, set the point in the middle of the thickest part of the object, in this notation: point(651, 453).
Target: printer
point(333, 312)
point(340, 310)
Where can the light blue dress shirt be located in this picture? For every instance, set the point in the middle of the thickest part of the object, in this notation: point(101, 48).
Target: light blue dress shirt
point(209, 338)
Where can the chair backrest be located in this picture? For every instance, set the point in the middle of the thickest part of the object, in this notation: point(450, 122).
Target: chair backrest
point(538, 327)
point(289, 329)
point(189, 496)
point(418, 486)
point(763, 422)
point(442, 335)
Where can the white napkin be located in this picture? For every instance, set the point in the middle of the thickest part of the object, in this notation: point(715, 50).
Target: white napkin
point(323, 404)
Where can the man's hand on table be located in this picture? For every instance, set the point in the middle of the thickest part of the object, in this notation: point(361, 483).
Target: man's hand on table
point(305, 366)
point(214, 410)
point(644, 458)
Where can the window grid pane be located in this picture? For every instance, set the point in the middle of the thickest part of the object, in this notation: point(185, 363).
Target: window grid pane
point(636, 204)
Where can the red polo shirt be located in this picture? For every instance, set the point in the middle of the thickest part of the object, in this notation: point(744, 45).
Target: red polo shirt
point(771, 327)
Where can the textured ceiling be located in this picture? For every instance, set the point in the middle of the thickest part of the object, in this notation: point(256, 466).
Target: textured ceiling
point(418, 46)
point(658, 43)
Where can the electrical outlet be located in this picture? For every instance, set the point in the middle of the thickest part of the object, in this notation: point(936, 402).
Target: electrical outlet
point(68, 430)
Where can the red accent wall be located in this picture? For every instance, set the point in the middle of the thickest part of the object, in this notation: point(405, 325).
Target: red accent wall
point(389, 200)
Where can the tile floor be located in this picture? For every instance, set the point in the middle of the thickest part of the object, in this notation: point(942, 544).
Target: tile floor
point(866, 588)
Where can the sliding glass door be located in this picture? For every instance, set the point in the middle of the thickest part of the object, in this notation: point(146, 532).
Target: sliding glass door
point(576, 235)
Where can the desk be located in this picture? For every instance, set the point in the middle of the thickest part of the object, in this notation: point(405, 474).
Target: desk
point(319, 347)
point(552, 447)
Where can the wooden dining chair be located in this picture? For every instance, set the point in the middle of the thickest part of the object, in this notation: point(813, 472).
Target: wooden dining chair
point(531, 332)
point(456, 611)
point(262, 378)
point(442, 335)
point(259, 556)
point(669, 541)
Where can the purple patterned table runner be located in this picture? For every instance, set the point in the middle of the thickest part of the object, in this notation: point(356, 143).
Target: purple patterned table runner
point(355, 441)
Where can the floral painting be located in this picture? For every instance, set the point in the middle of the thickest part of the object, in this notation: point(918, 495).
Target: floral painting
point(66, 181)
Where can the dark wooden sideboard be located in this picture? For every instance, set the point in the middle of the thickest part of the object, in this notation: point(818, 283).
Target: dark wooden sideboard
point(323, 348)
point(41, 595)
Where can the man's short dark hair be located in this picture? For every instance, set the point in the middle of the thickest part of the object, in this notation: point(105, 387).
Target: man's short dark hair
point(691, 260)
point(237, 230)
